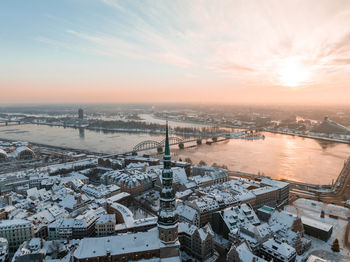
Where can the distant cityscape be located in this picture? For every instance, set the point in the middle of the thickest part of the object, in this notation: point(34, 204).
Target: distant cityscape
point(175, 131)
point(66, 204)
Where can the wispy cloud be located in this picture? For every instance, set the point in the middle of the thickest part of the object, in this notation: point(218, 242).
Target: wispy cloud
point(252, 39)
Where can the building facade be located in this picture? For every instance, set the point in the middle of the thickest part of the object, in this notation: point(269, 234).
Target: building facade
point(197, 242)
point(16, 231)
point(105, 225)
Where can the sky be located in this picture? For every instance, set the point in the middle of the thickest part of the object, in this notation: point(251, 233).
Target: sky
point(229, 52)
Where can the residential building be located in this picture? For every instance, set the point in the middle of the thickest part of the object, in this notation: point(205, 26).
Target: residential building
point(205, 207)
point(125, 221)
point(231, 219)
point(317, 229)
point(105, 225)
point(4, 249)
point(196, 242)
point(242, 253)
point(16, 231)
point(188, 215)
point(162, 243)
point(277, 251)
point(282, 189)
point(265, 196)
point(75, 228)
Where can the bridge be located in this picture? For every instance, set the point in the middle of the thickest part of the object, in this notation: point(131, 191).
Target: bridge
point(7, 122)
point(173, 140)
point(151, 144)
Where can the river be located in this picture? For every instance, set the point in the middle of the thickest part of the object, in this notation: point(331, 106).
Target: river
point(278, 156)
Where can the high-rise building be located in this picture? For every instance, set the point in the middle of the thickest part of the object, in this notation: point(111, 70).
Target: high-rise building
point(167, 216)
point(81, 113)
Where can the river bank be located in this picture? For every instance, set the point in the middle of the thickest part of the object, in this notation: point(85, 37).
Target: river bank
point(278, 156)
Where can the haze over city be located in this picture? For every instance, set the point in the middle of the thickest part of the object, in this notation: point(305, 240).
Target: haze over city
point(175, 130)
point(295, 52)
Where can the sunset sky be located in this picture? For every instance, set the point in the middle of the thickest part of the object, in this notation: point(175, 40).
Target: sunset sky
point(175, 51)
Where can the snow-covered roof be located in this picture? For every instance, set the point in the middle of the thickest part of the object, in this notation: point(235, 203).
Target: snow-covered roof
point(313, 258)
point(206, 203)
point(316, 224)
point(116, 245)
point(126, 213)
point(132, 178)
point(107, 218)
point(3, 153)
point(274, 183)
point(118, 197)
point(245, 254)
point(263, 190)
point(205, 231)
point(20, 150)
point(14, 223)
point(239, 216)
point(186, 228)
point(278, 247)
point(186, 212)
point(184, 193)
point(68, 201)
point(179, 175)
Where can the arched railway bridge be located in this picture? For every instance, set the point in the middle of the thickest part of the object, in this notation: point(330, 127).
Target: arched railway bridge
point(151, 144)
point(173, 140)
point(207, 138)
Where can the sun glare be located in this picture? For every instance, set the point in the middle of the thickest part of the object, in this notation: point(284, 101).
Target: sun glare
point(292, 73)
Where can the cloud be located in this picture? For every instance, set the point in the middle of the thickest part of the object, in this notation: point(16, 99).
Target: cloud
point(341, 61)
point(234, 67)
point(246, 39)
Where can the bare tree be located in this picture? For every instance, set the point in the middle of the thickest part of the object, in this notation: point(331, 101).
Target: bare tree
point(202, 163)
point(188, 160)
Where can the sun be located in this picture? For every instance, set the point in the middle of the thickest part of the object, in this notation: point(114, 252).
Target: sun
point(293, 73)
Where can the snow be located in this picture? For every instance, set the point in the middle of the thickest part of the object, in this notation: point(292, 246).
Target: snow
point(245, 254)
point(105, 219)
point(316, 224)
point(236, 217)
point(116, 245)
point(14, 223)
point(187, 212)
point(118, 197)
point(273, 183)
point(304, 207)
point(279, 247)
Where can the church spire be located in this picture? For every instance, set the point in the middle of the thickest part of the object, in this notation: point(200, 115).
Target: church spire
point(167, 216)
point(167, 147)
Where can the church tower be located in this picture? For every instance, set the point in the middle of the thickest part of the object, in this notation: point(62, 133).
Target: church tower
point(167, 216)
